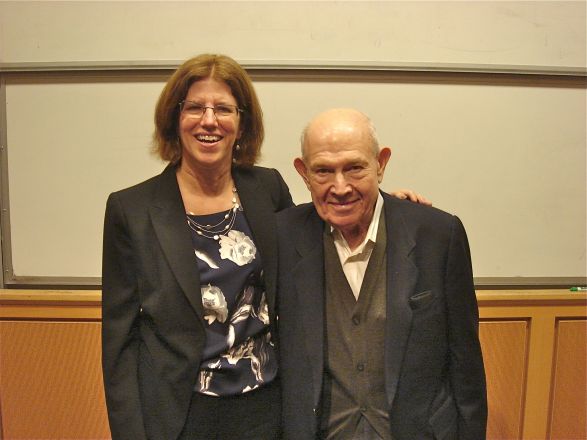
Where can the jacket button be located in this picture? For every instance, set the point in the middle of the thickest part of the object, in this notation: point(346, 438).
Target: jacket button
point(356, 320)
point(360, 366)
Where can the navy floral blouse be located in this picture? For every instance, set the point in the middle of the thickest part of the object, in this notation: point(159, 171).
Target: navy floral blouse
point(239, 355)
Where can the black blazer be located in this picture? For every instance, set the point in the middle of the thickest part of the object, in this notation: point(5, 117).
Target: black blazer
point(434, 375)
point(152, 314)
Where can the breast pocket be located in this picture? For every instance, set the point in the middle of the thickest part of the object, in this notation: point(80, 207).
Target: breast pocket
point(421, 300)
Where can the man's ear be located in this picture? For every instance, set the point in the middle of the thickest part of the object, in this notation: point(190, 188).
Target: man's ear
point(302, 170)
point(382, 159)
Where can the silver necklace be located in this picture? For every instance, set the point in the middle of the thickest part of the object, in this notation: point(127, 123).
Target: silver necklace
point(223, 227)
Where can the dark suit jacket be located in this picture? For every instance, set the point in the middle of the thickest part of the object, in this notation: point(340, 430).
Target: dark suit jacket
point(153, 332)
point(434, 375)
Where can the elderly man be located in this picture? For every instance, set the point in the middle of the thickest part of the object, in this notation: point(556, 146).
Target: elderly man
point(378, 317)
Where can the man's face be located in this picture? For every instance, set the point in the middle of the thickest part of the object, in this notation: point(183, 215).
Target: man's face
point(342, 172)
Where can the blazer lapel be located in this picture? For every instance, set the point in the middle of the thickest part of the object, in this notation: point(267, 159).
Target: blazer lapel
point(259, 211)
point(308, 274)
point(402, 275)
point(168, 216)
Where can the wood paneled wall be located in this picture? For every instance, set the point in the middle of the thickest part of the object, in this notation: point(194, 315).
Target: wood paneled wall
point(50, 368)
point(568, 402)
point(534, 347)
point(534, 351)
point(50, 381)
point(505, 344)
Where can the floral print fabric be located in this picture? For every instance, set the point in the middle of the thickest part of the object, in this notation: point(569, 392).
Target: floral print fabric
point(239, 354)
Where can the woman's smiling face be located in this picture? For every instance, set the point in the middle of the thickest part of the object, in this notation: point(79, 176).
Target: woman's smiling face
point(208, 141)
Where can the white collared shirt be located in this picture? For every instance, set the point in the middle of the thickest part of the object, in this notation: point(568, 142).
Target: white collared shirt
point(354, 263)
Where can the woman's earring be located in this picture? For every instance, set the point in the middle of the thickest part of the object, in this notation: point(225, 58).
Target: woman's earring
point(237, 147)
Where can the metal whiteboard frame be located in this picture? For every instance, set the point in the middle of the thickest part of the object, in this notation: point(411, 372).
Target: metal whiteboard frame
point(304, 65)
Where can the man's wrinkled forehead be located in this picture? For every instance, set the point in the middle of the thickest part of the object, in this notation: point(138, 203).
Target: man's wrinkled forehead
point(339, 128)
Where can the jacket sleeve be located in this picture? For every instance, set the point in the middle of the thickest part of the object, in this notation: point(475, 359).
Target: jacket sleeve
point(120, 332)
point(467, 374)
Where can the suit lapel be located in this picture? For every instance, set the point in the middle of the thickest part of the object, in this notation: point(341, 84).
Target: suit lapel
point(260, 214)
point(308, 274)
point(168, 217)
point(402, 275)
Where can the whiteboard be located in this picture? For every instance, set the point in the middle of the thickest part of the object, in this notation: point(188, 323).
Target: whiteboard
point(508, 159)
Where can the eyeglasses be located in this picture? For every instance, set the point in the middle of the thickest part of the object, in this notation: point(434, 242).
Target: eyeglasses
point(194, 110)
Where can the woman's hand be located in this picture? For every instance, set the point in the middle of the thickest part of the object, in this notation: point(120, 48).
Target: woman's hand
point(411, 195)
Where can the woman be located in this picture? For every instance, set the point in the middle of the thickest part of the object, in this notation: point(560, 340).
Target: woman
point(189, 271)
